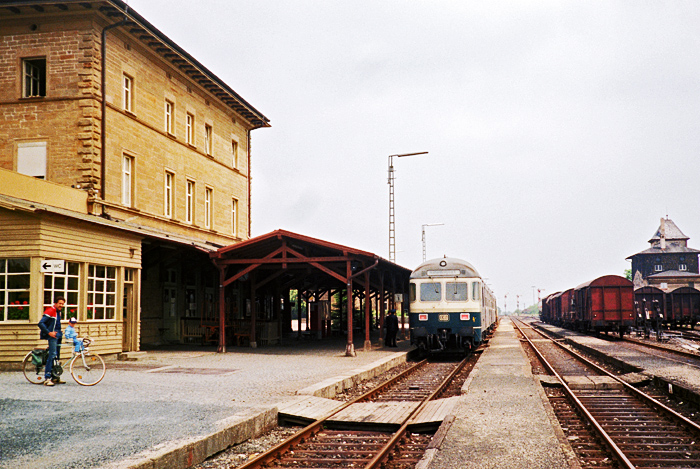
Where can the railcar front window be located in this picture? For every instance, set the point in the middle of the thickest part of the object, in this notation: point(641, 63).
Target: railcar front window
point(476, 291)
point(430, 292)
point(412, 292)
point(456, 291)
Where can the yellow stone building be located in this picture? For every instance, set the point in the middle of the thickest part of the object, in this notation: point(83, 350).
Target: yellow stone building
point(123, 161)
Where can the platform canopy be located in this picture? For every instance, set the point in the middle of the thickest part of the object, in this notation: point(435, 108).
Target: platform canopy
point(282, 260)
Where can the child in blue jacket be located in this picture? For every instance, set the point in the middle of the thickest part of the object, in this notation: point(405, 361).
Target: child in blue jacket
point(71, 334)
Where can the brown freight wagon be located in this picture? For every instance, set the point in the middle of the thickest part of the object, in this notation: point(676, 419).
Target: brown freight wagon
point(683, 307)
point(556, 309)
point(649, 309)
point(547, 309)
point(568, 313)
point(605, 304)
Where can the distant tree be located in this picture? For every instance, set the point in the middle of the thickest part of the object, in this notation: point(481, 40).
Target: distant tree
point(628, 274)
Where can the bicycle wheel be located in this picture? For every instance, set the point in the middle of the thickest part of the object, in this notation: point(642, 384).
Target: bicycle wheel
point(33, 373)
point(88, 369)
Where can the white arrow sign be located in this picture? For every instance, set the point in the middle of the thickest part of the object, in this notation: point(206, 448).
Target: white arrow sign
point(51, 266)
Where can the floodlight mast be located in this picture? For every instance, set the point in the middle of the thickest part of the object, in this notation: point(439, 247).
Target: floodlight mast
point(392, 213)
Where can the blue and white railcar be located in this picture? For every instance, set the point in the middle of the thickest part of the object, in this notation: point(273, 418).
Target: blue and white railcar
point(451, 309)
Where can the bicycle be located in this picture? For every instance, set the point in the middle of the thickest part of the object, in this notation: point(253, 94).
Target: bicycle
point(87, 368)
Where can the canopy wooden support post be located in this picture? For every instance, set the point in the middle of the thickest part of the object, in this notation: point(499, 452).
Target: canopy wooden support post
point(298, 313)
point(404, 300)
point(277, 306)
point(349, 347)
point(382, 308)
point(368, 308)
point(253, 313)
point(222, 310)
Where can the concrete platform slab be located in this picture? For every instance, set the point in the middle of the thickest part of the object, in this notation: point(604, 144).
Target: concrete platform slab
point(501, 421)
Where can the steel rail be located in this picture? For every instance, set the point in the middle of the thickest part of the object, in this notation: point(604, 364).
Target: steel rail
point(669, 350)
point(313, 428)
point(617, 452)
point(647, 398)
point(378, 460)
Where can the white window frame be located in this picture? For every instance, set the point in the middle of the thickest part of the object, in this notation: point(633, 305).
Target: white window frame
point(31, 159)
point(168, 194)
point(189, 201)
point(189, 129)
point(169, 116)
point(127, 180)
point(99, 293)
point(208, 139)
point(67, 285)
point(208, 205)
point(658, 268)
point(683, 267)
point(32, 80)
point(234, 216)
point(12, 308)
point(127, 92)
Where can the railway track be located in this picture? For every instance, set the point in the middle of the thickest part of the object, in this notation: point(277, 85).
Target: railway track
point(610, 423)
point(667, 353)
point(317, 446)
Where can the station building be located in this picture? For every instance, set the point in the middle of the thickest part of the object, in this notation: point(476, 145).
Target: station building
point(124, 162)
point(668, 263)
point(125, 187)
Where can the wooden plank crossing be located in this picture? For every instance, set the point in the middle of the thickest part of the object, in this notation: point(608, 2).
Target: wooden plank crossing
point(306, 409)
point(385, 414)
point(433, 414)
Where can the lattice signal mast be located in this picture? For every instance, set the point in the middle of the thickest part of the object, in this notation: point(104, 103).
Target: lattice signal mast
point(392, 214)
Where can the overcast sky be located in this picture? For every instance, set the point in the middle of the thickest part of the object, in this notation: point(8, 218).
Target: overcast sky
point(559, 132)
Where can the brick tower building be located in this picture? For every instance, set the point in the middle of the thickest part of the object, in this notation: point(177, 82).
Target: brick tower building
point(668, 263)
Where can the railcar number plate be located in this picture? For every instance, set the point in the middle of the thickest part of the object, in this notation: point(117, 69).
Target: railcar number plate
point(444, 317)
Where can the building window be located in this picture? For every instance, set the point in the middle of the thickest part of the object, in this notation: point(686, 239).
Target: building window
point(31, 159)
point(189, 212)
point(14, 289)
point(683, 267)
point(102, 292)
point(208, 136)
point(189, 129)
point(127, 93)
point(234, 153)
point(658, 268)
point(168, 192)
point(169, 116)
point(127, 180)
point(234, 217)
point(34, 83)
point(208, 201)
point(64, 284)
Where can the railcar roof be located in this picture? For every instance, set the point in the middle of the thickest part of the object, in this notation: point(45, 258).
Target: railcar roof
point(605, 281)
point(445, 264)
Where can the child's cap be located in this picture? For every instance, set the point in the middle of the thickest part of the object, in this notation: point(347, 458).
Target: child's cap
point(73, 320)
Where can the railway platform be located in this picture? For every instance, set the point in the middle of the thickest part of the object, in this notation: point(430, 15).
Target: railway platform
point(503, 418)
point(172, 407)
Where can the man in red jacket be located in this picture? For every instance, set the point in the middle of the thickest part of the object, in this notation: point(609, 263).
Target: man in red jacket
point(50, 326)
